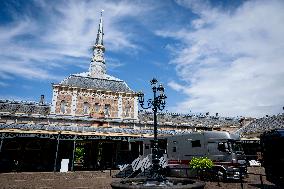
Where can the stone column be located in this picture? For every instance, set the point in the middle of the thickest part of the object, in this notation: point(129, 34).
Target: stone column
point(135, 107)
point(119, 104)
point(54, 100)
point(74, 102)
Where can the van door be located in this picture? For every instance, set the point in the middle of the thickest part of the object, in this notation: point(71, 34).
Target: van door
point(213, 152)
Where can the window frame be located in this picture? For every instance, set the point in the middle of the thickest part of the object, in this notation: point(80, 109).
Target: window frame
point(195, 144)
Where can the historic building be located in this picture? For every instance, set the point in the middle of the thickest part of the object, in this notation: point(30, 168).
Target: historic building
point(95, 93)
point(91, 111)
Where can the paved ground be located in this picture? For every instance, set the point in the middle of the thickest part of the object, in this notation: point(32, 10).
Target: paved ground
point(252, 182)
point(102, 180)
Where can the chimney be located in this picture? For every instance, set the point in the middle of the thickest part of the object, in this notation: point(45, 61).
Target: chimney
point(41, 101)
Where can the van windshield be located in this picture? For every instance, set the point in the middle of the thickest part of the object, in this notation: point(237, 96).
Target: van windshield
point(230, 146)
point(237, 146)
point(224, 146)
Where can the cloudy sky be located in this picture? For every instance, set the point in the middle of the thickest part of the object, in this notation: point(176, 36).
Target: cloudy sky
point(212, 56)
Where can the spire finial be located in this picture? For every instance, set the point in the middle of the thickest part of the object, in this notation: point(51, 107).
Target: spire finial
point(100, 34)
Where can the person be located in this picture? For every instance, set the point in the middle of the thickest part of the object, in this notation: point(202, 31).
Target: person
point(16, 165)
point(99, 166)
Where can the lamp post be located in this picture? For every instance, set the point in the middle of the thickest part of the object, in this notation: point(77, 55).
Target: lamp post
point(157, 103)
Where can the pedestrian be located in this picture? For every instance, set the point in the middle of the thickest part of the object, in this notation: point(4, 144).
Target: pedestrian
point(99, 166)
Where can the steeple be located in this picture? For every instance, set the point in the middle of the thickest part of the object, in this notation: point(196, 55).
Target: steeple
point(97, 67)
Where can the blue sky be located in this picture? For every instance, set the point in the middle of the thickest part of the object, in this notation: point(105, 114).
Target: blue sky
point(212, 56)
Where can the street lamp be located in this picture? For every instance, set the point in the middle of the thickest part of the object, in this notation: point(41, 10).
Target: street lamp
point(157, 103)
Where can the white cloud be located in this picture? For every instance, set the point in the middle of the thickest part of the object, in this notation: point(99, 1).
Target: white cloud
point(175, 86)
point(232, 60)
point(33, 47)
point(78, 24)
point(113, 63)
point(26, 71)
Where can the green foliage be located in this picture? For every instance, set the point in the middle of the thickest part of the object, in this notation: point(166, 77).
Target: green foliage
point(79, 154)
point(200, 163)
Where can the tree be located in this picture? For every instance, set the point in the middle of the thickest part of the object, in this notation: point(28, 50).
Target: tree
point(79, 154)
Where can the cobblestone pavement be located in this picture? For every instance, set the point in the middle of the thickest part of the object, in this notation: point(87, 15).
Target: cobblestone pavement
point(45, 180)
point(102, 180)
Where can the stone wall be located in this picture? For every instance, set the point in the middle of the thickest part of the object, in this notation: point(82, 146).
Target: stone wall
point(94, 103)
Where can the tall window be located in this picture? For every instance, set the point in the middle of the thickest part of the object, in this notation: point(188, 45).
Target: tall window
point(86, 108)
point(97, 107)
point(63, 106)
point(107, 110)
point(127, 110)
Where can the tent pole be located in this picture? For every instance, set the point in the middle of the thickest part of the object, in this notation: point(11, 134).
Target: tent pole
point(73, 155)
point(56, 153)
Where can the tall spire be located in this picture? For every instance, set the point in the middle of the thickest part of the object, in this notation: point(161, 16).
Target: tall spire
point(97, 67)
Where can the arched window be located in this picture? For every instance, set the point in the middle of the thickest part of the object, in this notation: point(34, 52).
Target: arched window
point(107, 110)
point(86, 108)
point(63, 106)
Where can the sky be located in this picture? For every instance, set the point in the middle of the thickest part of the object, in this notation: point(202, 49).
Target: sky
point(223, 57)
